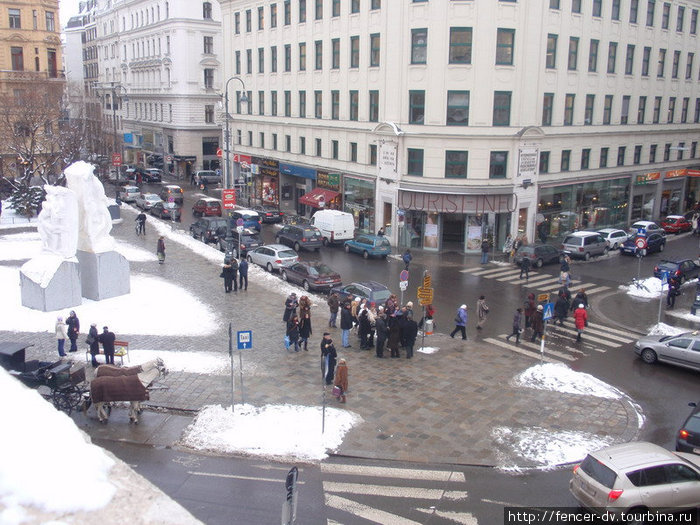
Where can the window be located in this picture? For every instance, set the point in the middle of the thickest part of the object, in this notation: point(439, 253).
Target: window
point(505, 46)
point(597, 8)
point(684, 110)
point(498, 165)
point(416, 107)
point(354, 51)
point(373, 154)
point(657, 110)
point(696, 118)
point(679, 19)
point(302, 104)
point(569, 109)
point(50, 21)
point(335, 5)
point(302, 145)
point(287, 57)
point(334, 149)
point(238, 62)
point(335, 105)
point(237, 23)
point(354, 100)
point(576, 6)
point(354, 6)
point(693, 21)
point(35, 19)
point(615, 12)
point(273, 59)
point(554, 4)
point(318, 54)
point(249, 61)
point(667, 152)
point(302, 56)
point(288, 143)
point(637, 154)
point(457, 108)
point(612, 56)
point(593, 56)
point(456, 164)
point(679, 151)
point(374, 106)
point(287, 103)
point(419, 46)
point(261, 60)
point(625, 111)
point(651, 4)
point(273, 15)
point(415, 162)
point(208, 78)
point(318, 104)
point(588, 110)
point(261, 102)
point(248, 21)
point(17, 58)
point(206, 10)
point(547, 109)
point(335, 53)
point(319, 148)
point(634, 11)
point(15, 18)
point(689, 66)
point(652, 154)
point(665, 15)
point(671, 110)
point(208, 45)
point(603, 163)
point(261, 19)
point(501, 108)
point(261, 139)
point(353, 152)
point(629, 60)
point(676, 64)
point(318, 10)
point(460, 45)
point(641, 110)
point(607, 109)
point(287, 12)
point(646, 59)
point(621, 156)
point(302, 14)
point(273, 104)
point(565, 160)
point(544, 161)
point(374, 50)
point(693, 149)
point(573, 53)
point(551, 59)
point(662, 63)
point(585, 158)
point(376, 4)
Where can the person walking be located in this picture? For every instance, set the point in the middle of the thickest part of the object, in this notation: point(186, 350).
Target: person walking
point(341, 379)
point(304, 306)
point(305, 330)
point(107, 339)
point(328, 358)
point(579, 298)
point(333, 306)
point(382, 332)
point(525, 267)
point(73, 330)
point(293, 332)
point(530, 307)
point(407, 258)
point(394, 339)
point(695, 222)
point(228, 275)
point(508, 247)
point(674, 290)
point(160, 249)
point(561, 310)
point(345, 325)
point(365, 328)
point(517, 330)
point(243, 274)
point(61, 336)
point(409, 332)
point(234, 272)
point(93, 341)
point(537, 323)
point(485, 251)
point(581, 320)
point(141, 224)
point(564, 270)
point(482, 311)
point(460, 322)
point(290, 307)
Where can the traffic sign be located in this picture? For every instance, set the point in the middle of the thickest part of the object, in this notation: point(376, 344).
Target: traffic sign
point(425, 295)
point(403, 286)
point(548, 311)
point(240, 221)
point(640, 242)
point(219, 153)
point(169, 159)
point(427, 281)
point(245, 339)
point(229, 198)
point(543, 298)
point(664, 278)
point(116, 159)
point(403, 276)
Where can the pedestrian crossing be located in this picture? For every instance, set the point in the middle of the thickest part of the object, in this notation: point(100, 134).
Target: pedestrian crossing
point(393, 496)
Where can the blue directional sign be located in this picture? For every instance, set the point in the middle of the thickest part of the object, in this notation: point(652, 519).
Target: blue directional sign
point(245, 339)
point(548, 311)
point(664, 278)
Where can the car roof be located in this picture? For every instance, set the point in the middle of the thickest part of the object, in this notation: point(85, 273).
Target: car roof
point(610, 230)
point(581, 234)
point(246, 211)
point(644, 223)
point(172, 186)
point(151, 195)
point(675, 217)
point(372, 285)
point(210, 199)
point(634, 455)
point(131, 188)
point(276, 247)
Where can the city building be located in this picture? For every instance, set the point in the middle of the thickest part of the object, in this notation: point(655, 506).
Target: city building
point(452, 121)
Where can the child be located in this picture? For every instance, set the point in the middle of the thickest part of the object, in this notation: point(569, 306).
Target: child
point(341, 379)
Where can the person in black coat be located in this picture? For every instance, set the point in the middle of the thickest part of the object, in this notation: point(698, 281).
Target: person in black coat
point(229, 275)
point(409, 332)
point(525, 267)
point(107, 339)
point(328, 358)
point(394, 338)
point(290, 307)
point(382, 332)
point(674, 290)
point(579, 298)
point(293, 332)
point(561, 310)
point(364, 329)
point(73, 330)
point(243, 274)
point(345, 325)
point(305, 330)
point(94, 343)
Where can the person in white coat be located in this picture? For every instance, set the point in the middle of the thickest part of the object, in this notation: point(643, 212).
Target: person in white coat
point(61, 336)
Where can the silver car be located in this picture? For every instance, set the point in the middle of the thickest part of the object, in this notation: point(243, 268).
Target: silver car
point(272, 256)
point(584, 244)
point(145, 201)
point(682, 349)
point(614, 237)
point(635, 477)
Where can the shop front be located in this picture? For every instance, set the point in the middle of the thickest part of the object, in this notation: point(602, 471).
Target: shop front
point(644, 198)
point(692, 189)
point(671, 201)
point(295, 181)
point(359, 199)
point(266, 175)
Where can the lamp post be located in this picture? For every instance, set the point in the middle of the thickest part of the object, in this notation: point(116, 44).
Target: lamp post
point(114, 89)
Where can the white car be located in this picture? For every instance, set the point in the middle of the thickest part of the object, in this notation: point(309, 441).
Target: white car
point(647, 227)
point(614, 237)
point(145, 201)
point(273, 256)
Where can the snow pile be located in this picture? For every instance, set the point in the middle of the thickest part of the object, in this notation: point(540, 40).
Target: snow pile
point(11, 219)
point(427, 350)
point(665, 329)
point(649, 288)
point(273, 431)
point(560, 378)
point(192, 362)
point(19, 246)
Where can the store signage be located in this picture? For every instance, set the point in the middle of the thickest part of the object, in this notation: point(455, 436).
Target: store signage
point(693, 173)
point(647, 178)
point(672, 174)
point(388, 160)
point(298, 171)
point(329, 181)
point(128, 138)
point(444, 203)
point(229, 199)
point(116, 159)
point(528, 162)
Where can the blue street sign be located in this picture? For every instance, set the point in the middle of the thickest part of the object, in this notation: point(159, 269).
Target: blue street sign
point(548, 311)
point(245, 339)
point(664, 278)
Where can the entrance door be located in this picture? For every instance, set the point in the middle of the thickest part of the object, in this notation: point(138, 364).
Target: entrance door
point(453, 231)
point(388, 215)
point(298, 194)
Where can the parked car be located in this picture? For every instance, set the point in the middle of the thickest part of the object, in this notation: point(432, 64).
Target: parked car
point(539, 254)
point(676, 224)
point(688, 439)
point(635, 477)
point(129, 193)
point(153, 175)
point(208, 229)
point(335, 225)
point(655, 243)
point(146, 200)
point(683, 269)
point(298, 237)
point(614, 237)
point(645, 227)
point(207, 206)
point(167, 210)
point(371, 290)
point(269, 214)
point(312, 276)
point(132, 173)
point(243, 241)
point(272, 256)
point(251, 219)
point(584, 245)
point(171, 193)
point(369, 245)
point(681, 349)
point(207, 177)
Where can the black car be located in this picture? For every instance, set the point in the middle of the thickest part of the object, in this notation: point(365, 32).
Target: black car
point(299, 237)
point(166, 210)
point(688, 439)
point(208, 229)
point(243, 241)
point(539, 254)
point(655, 243)
point(685, 269)
point(153, 175)
point(269, 214)
point(373, 291)
point(312, 276)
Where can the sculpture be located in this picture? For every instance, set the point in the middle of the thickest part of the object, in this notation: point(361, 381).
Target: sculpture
point(58, 222)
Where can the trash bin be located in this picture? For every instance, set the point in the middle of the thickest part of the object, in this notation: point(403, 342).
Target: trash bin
point(428, 327)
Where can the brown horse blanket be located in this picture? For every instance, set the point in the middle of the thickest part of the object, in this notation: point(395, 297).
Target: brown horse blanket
point(114, 371)
point(117, 388)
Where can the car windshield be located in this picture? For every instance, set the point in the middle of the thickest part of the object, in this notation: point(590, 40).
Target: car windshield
point(170, 205)
point(599, 472)
point(382, 243)
point(693, 424)
point(207, 173)
point(308, 232)
point(287, 253)
point(381, 296)
point(526, 249)
point(250, 217)
point(152, 197)
point(320, 269)
point(248, 237)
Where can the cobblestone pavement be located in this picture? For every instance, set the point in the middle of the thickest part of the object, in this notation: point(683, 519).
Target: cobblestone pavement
point(439, 407)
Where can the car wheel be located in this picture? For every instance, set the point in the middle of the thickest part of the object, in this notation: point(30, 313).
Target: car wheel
point(539, 263)
point(202, 238)
point(662, 246)
point(193, 234)
point(325, 242)
point(347, 249)
point(649, 356)
point(586, 256)
point(615, 246)
point(250, 259)
point(306, 286)
point(606, 250)
point(269, 267)
point(284, 276)
point(365, 254)
point(297, 247)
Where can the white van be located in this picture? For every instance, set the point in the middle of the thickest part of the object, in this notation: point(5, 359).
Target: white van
point(335, 225)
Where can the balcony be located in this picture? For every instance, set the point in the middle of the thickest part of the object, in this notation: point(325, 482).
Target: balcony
point(8, 75)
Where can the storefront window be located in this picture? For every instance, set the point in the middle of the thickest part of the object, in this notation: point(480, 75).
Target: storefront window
point(270, 191)
point(359, 200)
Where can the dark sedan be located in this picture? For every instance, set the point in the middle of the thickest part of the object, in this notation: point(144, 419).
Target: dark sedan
point(208, 229)
point(312, 276)
point(688, 439)
point(684, 269)
point(538, 254)
point(269, 214)
point(655, 243)
point(371, 290)
point(166, 210)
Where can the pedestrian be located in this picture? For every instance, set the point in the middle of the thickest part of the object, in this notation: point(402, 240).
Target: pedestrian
point(525, 267)
point(293, 332)
point(229, 276)
point(354, 306)
point(580, 297)
point(141, 224)
point(341, 379)
point(530, 307)
point(304, 306)
point(305, 330)
point(485, 251)
point(333, 306)
point(429, 314)
point(243, 274)
point(160, 249)
point(380, 232)
point(561, 310)
point(94, 343)
point(73, 330)
point(364, 328)
point(508, 247)
point(409, 332)
point(234, 272)
point(193, 180)
point(372, 316)
point(381, 330)
point(107, 339)
point(580, 319)
point(564, 270)
point(407, 258)
point(482, 311)
point(460, 322)
point(290, 307)
point(61, 336)
point(390, 305)
point(328, 357)
point(695, 221)
point(394, 339)
point(566, 293)
point(345, 325)
point(517, 330)
point(674, 290)
point(537, 323)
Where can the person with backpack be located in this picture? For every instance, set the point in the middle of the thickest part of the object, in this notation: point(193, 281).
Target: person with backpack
point(407, 258)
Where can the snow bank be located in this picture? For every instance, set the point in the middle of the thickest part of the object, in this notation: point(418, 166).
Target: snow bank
point(560, 378)
point(649, 288)
point(192, 362)
point(665, 329)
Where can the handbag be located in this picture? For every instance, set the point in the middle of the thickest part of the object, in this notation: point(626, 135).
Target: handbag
point(89, 339)
point(337, 391)
point(458, 320)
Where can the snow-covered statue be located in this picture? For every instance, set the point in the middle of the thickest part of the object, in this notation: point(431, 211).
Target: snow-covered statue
point(95, 220)
point(58, 222)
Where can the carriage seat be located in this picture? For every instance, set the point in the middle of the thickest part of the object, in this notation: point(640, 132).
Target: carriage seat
point(121, 349)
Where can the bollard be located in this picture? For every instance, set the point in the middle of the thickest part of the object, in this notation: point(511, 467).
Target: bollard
point(696, 304)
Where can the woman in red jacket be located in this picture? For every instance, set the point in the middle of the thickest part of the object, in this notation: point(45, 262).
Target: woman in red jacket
point(580, 319)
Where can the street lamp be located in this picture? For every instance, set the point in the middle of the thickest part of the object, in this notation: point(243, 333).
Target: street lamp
point(115, 90)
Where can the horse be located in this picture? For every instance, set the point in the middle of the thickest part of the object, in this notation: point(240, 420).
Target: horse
point(113, 383)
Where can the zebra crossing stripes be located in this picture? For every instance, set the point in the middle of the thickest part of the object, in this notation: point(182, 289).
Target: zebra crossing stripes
point(516, 349)
point(481, 271)
point(605, 338)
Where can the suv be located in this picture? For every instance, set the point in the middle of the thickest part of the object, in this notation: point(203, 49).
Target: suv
point(299, 237)
point(585, 244)
point(688, 439)
point(369, 245)
point(683, 269)
point(250, 218)
point(207, 206)
point(373, 291)
point(539, 254)
point(208, 229)
point(171, 193)
point(207, 177)
point(129, 193)
point(243, 241)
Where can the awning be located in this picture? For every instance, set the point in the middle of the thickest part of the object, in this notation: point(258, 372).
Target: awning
point(317, 196)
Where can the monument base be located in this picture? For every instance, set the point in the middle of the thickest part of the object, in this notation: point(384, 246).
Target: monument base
point(114, 211)
point(103, 275)
point(49, 283)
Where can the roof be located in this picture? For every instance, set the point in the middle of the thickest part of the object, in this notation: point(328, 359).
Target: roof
point(634, 455)
point(210, 199)
point(675, 217)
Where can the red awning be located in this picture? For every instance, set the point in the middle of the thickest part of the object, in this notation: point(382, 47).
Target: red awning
point(317, 196)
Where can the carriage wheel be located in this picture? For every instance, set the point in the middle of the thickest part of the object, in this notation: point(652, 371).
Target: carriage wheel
point(67, 398)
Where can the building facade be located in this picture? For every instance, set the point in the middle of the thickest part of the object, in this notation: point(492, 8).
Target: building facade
point(452, 121)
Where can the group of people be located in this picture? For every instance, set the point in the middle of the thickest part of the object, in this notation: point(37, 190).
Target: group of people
point(298, 324)
point(70, 329)
point(235, 274)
